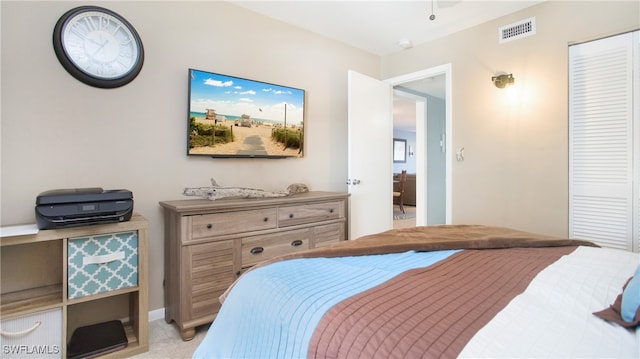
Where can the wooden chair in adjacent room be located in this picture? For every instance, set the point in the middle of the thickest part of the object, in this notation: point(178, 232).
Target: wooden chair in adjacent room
point(398, 193)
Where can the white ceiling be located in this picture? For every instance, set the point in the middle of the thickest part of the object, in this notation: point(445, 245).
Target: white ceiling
point(378, 26)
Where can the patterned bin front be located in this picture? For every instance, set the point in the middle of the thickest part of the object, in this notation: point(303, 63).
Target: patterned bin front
point(102, 263)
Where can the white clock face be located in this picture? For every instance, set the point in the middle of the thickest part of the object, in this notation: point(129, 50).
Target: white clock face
point(100, 45)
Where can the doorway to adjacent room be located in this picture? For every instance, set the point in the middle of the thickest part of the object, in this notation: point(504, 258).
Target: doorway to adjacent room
point(420, 118)
point(370, 162)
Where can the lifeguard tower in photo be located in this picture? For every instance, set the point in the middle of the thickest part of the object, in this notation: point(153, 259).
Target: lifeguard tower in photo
point(211, 115)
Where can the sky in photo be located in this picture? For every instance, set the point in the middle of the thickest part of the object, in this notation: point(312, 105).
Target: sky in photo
point(233, 96)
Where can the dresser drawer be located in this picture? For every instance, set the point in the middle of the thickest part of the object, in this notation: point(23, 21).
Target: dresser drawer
point(328, 234)
point(37, 335)
point(309, 213)
point(217, 224)
point(259, 248)
point(102, 263)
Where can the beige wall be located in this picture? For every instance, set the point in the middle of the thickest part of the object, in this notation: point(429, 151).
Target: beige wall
point(60, 133)
point(516, 168)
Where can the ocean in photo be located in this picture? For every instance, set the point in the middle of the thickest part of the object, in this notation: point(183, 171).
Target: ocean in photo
point(234, 118)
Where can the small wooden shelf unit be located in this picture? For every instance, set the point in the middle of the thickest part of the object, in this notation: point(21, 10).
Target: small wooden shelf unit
point(34, 280)
point(208, 244)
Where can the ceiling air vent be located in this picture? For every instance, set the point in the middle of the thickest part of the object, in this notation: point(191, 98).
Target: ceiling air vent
point(517, 30)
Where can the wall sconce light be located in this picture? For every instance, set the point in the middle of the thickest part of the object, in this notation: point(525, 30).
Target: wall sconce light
point(502, 81)
point(410, 151)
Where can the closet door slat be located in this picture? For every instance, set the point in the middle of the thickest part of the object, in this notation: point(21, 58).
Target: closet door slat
point(602, 180)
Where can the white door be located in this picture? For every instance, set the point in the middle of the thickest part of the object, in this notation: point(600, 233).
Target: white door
point(370, 149)
point(601, 142)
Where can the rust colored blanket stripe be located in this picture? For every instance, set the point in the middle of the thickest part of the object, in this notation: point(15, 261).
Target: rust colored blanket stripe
point(430, 312)
point(430, 238)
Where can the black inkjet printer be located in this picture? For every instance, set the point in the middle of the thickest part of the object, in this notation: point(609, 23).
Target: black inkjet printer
point(82, 206)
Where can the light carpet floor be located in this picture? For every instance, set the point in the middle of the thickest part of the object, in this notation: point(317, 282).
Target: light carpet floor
point(165, 341)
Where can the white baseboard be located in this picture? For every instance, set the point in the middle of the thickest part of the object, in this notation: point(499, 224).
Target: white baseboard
point(156, 314)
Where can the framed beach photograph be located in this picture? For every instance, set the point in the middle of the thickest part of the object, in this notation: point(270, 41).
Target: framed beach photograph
point(399, 150)
point(238, 117)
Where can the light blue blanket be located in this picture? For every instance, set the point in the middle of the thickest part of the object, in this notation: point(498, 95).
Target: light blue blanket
point(272, 311)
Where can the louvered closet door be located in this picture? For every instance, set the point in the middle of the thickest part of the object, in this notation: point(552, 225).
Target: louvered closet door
point(603, 200)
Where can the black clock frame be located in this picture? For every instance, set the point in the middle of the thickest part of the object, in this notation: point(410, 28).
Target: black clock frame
point(77, 72)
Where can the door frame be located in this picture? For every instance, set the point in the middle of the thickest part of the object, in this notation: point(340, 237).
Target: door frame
point(421, 169)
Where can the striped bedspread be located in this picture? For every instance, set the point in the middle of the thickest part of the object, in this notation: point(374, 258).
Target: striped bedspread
point(439, 302)
point(430, 312)
point(272, 311)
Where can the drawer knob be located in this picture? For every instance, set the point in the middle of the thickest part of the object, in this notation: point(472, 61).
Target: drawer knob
point(296, 243)
point(266, 219)
point(209, 226)
point(331, 210)
point(256, 250)
point(291, 215)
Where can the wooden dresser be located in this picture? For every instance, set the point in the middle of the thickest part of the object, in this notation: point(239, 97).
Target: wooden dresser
point(208, 244)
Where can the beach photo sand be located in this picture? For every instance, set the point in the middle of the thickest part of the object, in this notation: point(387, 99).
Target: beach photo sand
point(248, 141)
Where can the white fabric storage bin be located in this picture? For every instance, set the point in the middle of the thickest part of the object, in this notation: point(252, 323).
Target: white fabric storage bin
point(37, 335)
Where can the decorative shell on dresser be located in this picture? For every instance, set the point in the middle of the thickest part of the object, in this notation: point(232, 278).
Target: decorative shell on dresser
point(217, 192)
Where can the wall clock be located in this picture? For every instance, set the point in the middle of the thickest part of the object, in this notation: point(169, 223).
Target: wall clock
point(98, 47)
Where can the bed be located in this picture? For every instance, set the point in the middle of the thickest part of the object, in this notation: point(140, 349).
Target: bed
point(438, 291)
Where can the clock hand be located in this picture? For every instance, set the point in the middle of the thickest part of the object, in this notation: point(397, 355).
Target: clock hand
point(100, 48)
point(94, 41)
